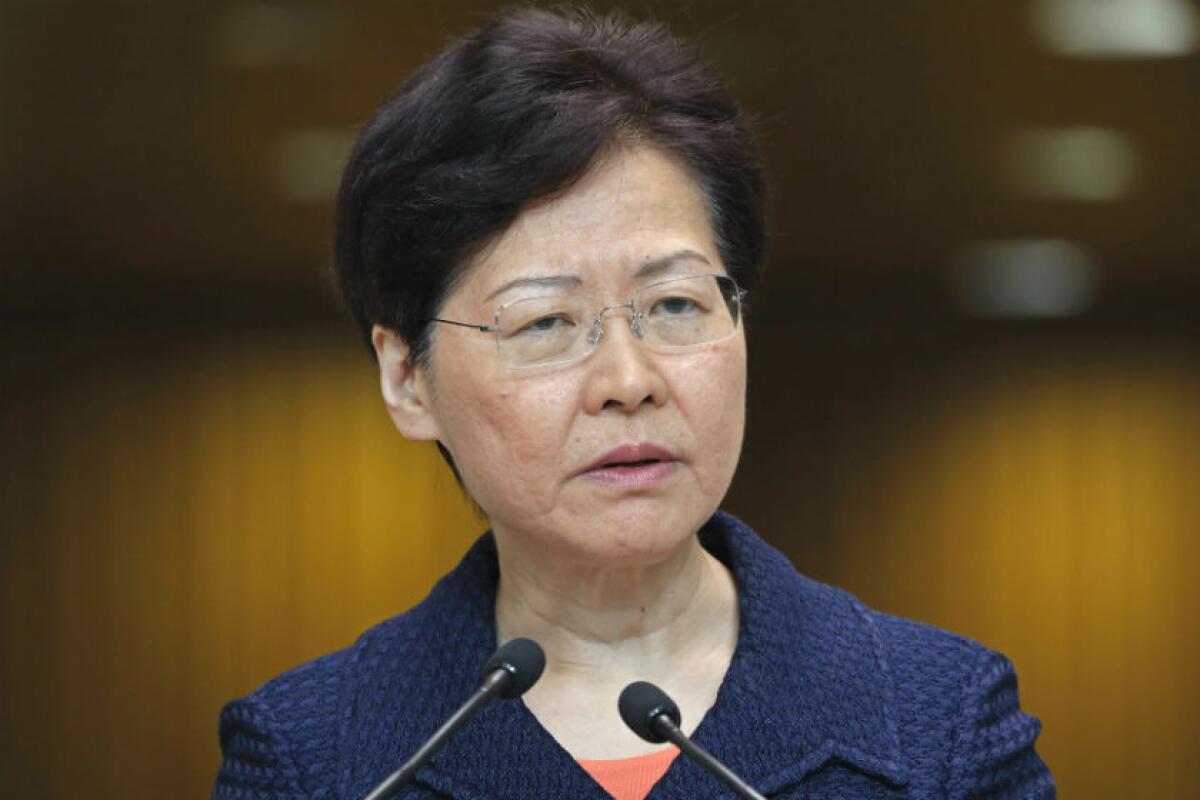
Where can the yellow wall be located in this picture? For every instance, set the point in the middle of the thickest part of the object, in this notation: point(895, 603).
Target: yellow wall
point(210, 518)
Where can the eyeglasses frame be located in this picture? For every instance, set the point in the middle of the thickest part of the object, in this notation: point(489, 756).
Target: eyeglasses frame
point(597, 332)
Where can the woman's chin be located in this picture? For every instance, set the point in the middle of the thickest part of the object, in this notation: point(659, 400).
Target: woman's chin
point(631, 530)
point(634, 539)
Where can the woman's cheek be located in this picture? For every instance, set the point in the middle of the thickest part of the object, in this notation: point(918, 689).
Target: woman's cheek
point(713, 398)
point(530, 429)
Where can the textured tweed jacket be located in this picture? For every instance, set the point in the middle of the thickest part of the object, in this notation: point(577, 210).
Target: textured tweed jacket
point(824, 699)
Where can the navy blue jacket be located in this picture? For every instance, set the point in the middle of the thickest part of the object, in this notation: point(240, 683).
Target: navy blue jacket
point(824, 699)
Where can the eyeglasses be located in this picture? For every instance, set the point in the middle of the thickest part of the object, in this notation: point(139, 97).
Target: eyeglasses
point(558, 329)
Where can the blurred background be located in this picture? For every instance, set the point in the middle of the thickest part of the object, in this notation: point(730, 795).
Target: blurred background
point(975, 358)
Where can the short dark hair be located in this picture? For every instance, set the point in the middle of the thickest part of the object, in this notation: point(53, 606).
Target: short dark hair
point(515, 112)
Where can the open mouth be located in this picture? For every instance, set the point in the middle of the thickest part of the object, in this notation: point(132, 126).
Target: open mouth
point(640, 466)
point(642, 463)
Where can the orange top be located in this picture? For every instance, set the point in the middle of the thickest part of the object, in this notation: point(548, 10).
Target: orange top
point(630, 778)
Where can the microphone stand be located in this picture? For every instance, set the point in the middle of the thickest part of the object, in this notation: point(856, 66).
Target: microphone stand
point(667, 728)
point(492, 684)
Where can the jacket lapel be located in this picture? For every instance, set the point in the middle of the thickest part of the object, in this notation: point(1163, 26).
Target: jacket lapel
point(808, 683)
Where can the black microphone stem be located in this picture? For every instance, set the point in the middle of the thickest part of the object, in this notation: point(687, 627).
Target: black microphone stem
point(492, 683)
point(670, 731)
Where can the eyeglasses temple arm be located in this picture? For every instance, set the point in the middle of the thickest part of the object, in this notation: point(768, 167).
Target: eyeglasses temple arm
point(483, 328)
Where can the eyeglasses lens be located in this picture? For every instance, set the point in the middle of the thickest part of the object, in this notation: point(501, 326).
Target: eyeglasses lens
point(673, 314)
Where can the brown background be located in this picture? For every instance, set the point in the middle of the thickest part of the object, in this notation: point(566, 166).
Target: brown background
point(201, 487)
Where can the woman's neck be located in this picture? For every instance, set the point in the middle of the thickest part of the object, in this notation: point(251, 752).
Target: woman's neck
point(584, 606)
point(673, 623)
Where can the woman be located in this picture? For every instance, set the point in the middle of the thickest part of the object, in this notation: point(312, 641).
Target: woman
point(545, 235)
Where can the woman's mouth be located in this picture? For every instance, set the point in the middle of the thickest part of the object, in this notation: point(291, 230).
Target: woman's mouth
point(633, 466)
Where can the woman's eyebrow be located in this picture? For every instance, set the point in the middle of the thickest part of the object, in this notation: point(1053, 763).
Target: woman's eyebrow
point(658, 266)
point(553, 281)
point(650, 269)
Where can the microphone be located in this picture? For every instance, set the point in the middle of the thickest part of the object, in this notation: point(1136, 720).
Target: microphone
point(652, 715)
point(509, 673)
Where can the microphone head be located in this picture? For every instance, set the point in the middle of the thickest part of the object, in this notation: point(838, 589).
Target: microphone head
point(642, 703)
point(523, 659)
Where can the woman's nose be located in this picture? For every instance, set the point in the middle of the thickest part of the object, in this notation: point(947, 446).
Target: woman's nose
point(622, 374)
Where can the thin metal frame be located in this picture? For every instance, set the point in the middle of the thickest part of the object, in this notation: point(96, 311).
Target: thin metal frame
point(597, 332)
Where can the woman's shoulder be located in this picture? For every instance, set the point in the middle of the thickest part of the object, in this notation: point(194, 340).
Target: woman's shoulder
point(425, 630)
point(939, 707)
point(315, 686)
point(954, 709)
point(288, 737)
point(284, 737)
point(281, 738)
point(921, 652)
point(777, 594)
point(957, 697)
point(930, 671)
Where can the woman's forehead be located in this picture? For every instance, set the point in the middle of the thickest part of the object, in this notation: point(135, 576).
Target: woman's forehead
point(630, 217)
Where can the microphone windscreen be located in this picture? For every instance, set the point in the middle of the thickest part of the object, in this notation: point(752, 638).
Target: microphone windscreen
point(521, 658)
point(640, 704)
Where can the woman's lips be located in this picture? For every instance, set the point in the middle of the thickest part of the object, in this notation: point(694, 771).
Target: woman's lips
point(632, 465)
point(644, 474)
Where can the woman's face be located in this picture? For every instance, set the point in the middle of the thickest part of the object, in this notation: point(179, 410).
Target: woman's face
point(523, 440)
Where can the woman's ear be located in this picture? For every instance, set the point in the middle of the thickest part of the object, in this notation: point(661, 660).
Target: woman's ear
point(406, 391)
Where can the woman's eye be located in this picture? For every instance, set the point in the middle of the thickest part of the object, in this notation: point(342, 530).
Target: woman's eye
point(674, 305)
point(550, 324)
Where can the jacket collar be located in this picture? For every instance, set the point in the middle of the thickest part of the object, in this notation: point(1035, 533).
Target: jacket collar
point(808, 684)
